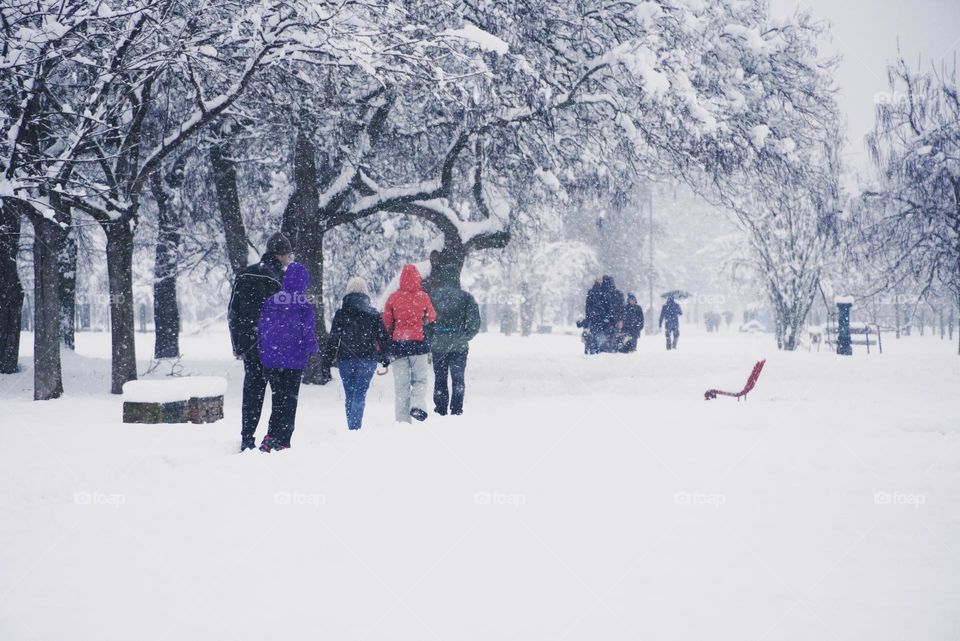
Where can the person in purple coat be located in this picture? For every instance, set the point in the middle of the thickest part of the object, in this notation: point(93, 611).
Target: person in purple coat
point(287, 337)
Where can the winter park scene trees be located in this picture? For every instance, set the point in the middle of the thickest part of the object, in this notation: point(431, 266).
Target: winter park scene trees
point(385, 319)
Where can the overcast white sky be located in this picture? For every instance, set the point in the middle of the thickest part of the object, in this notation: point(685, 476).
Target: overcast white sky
point(865, 34)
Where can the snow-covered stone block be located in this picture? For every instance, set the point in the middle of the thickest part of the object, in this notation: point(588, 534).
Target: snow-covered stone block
point(189, 399)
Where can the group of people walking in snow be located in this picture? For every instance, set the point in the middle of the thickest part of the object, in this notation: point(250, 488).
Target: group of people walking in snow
point(273, 330)
point(610, 325)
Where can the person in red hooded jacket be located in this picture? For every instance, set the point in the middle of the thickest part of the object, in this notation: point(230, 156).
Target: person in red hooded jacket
point(407, 312)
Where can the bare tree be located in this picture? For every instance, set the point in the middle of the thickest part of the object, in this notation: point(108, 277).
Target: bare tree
point(911, 218)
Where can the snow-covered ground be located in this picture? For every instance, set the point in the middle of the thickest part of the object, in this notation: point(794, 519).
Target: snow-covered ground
point(578, 498)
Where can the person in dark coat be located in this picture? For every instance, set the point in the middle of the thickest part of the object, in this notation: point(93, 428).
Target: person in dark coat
point(357, 342)
point(607, 316)
point(670, 317)
point(252, 287)
point(287, 335)
point(458, 322)
point(611, 306)
point(591, 317)
point(632, 324)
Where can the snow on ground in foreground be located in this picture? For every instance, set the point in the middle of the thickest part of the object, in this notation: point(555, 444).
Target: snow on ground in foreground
point(579, 498)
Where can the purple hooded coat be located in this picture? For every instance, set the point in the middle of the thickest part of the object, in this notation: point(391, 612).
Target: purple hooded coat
point(287, 328)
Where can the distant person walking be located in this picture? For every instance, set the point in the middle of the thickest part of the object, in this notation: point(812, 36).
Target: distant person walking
point(591, 316)
point(670, 317)
point(632, 324)
point(407, 312)
point(252, 287)
point(458, 322)
point(357, 342)
point(287, 334)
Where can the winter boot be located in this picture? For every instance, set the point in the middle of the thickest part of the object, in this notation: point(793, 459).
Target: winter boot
point(247, 443)
point(418, 414)
point(271, 444)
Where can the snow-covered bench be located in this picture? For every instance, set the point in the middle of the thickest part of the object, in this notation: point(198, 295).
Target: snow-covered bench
point(871, 336)
point(188, 399)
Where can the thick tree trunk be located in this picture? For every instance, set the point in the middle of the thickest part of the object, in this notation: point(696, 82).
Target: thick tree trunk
point(228, 200)
point(301, 223)
point(120, 279)
point(166, 312)
point(47, 374)
point(312, 256)
point(791, 318)
point(67, 268)
point(11, 291)
point(67, 264)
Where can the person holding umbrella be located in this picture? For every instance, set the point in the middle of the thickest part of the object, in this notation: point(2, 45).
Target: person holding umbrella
point(670, 316)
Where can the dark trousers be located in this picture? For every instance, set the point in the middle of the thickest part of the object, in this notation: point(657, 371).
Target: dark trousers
point(673, 333)
point(254, 389)
point(355, 374)
point(454, 364)
point(284, 393)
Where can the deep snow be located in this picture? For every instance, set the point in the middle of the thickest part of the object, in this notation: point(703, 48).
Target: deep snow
point(578, 498)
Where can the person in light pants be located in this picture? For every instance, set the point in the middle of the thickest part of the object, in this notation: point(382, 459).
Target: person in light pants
point(407, 312)
point(410, 384)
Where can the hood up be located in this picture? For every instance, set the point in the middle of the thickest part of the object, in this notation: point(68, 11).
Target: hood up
point(410, 279)
point(296, 279)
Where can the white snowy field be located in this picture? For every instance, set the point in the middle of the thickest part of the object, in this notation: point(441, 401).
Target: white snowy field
point(593, 498)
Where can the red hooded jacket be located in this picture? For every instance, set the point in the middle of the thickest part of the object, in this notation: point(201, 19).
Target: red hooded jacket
point(409, 308)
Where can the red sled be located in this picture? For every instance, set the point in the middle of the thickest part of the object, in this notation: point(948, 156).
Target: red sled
point(754, 375)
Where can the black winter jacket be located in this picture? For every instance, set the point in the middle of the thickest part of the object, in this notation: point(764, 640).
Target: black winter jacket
point(252, 287)
point(592, 313)
point(632, 320)
point(609, 306)
point(357, 332)
point(458, 315)
point(670, 315)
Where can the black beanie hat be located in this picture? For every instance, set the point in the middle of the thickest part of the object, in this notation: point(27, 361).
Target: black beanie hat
point(279, 245)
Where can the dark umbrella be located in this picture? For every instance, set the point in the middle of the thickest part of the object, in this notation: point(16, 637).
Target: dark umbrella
point(676, 293)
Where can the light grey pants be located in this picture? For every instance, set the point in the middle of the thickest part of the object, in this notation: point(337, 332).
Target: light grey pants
point(409, 384)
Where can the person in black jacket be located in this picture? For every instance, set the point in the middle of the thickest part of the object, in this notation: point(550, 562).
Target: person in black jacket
point(458, 322)
point(591, 318)
point(611, 307)
point(607, 316)
point(252, 287)
point(670, 316)
point(632, 324)
point(357, 341)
